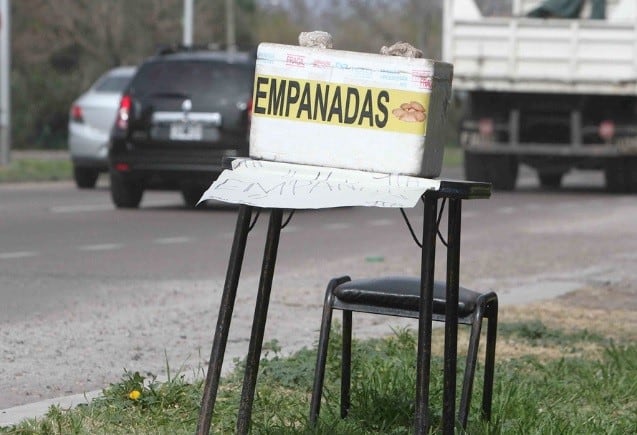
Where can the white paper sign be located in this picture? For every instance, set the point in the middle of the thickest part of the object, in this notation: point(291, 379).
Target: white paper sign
point(292, 186)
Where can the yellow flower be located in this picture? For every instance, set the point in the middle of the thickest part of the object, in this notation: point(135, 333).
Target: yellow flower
point(134, 395)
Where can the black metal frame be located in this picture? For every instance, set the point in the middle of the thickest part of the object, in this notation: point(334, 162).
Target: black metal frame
point(486, 306)
point(454, 191)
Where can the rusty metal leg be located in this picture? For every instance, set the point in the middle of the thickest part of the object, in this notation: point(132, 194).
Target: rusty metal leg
point(258, 323)
point(451, 317)
point(470, 365)
point(489, 364)
point(423, 366)
point(346, 364)
point(223, 320)
point(321, 354)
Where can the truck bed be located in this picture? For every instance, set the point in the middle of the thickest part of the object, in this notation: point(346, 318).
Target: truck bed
point(519, 54)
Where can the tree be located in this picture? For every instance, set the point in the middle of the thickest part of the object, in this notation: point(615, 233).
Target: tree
point(61, 46)
point(367, 25)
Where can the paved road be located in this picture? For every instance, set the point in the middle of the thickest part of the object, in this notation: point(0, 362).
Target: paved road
point(88, 291)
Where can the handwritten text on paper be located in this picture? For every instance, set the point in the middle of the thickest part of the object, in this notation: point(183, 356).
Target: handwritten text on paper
point(283, 185)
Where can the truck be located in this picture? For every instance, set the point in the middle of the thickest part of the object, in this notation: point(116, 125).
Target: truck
point(550, 92)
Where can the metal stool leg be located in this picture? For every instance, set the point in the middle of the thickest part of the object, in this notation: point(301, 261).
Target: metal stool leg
point(321, 358)
point(346, 363)
point(489, 364)
point(451, 317)
point(258, 323)
point(223, 320)
point(470, 367)
point(422, 420)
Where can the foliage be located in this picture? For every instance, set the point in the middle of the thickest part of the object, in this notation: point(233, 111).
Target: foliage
point(538, 334)
point(60, 47)
point(367, 25)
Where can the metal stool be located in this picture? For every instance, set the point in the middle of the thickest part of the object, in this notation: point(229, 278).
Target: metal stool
point(399, 296)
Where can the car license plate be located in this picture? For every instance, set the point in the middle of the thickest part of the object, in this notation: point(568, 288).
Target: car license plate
point(186, 131)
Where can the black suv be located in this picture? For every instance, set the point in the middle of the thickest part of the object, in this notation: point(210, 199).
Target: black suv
point(183, 112)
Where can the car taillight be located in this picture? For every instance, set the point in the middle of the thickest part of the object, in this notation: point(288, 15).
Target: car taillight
point(249, 110)
point(76, 113)
point(123, 113)
point(122, 167)
point(606, 130)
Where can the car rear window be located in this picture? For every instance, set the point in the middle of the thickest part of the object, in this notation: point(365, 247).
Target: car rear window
point(115, 83)
point(192, 78)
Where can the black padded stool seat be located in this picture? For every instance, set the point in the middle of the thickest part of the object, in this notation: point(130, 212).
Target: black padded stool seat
point(402, 293)
point(400, 296)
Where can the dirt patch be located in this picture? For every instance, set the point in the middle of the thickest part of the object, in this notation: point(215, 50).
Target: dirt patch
point(605, 296)
point(605, 310)
point(589, 318)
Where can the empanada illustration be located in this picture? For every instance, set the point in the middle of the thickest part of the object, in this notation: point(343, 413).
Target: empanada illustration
point(410, 112)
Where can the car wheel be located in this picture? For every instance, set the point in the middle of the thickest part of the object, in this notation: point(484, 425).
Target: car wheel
point(85, 178)
point(125, 193)
point(631, 174)
point(550, 180)
point(192, 195)
point(615, 176)
point(621, 175)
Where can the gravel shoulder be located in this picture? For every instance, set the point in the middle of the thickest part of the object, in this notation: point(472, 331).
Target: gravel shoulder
point(170, 324)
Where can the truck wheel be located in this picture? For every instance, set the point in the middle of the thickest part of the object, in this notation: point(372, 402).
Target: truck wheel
point(631, 174)
point(476, 167)
point(125, 193)
point(503, 171)
point(550, 180)
point(85, 178)
point(617, 175)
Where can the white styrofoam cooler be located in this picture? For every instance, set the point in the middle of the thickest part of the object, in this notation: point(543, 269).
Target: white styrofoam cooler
point(349, 110)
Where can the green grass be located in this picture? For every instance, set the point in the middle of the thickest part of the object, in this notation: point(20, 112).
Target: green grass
point(533, 395)
point(453, 157)
point(537, 333)
point(23, 170)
